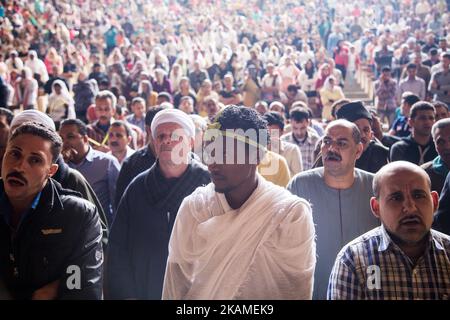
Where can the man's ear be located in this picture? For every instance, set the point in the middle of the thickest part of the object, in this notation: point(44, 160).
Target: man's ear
point(359, 150)
point(85, 139)
point(435, 198)
point(375, 206)
point(53, 169)
point(410, 122)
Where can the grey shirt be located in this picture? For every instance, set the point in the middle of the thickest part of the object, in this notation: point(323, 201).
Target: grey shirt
point(340, 215)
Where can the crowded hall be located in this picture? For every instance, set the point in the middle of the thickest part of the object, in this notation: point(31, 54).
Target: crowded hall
point(225, 150)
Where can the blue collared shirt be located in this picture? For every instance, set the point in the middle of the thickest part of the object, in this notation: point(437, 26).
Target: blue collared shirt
point(373, 267)
point(101, 171)
point(139, 123)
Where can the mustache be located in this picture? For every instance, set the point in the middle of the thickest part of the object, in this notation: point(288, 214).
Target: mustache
point(114, 144)
point(333, 156)
point(17, 175)
point(411, 218)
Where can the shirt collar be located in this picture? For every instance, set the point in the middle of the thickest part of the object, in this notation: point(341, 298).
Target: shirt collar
point(439, 166)
point(386, 240)
point(90, 155)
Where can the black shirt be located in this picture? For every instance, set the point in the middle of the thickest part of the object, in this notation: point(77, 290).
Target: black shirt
point(409, 150)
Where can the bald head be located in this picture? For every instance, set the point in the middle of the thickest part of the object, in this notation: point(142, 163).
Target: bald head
point(393, 169)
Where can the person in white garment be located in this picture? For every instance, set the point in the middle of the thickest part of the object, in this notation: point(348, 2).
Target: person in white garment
point(240, 237)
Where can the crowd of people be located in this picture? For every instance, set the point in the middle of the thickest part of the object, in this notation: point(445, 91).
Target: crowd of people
point(112, 124)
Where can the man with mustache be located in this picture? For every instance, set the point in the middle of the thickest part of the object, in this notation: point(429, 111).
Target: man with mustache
point(374, 155)
point(68, 178)
point(403, 259)
point(138, 245)
point(417, 148)
point(438, 168)
point(50, 238)
point(100, 169)
point(339, 194)
point(119, 140)
point(241, 236)
point(105, 108)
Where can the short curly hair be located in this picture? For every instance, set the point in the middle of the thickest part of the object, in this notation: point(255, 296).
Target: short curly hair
point(236, 117)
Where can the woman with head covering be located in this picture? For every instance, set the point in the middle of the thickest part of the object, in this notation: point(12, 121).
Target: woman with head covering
point(53, 59)
point(146, 92)
point(26, 89)
point(330, 93)
point(60, 103)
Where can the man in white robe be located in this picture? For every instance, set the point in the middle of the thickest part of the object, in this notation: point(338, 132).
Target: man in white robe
point(240, 237)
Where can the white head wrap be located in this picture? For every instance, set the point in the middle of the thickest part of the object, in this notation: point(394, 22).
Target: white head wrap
point(174, 116)
point(34, 116)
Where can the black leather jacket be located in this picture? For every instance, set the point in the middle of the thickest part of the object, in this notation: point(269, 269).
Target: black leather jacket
point(58, 240)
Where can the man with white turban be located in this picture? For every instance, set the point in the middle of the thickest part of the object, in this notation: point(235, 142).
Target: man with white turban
point(138, 245)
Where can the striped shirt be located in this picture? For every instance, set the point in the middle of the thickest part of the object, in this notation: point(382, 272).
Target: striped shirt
point(373, 267)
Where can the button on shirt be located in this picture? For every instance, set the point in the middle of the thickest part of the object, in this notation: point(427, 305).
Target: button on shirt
point(101, 171)
point(373, 267)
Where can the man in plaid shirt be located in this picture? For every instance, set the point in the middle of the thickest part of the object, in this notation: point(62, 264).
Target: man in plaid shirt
point(403, 258)
point(302, 135)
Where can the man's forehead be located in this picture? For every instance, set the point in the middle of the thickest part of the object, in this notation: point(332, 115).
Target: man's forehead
point(30, 144)
point(397, 180)
point(117, 129)
point(338, 132)
point(68, 128)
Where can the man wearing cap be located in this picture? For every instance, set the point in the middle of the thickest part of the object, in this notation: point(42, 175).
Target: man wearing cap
point(412, 83)
point(138, 246)
point(339, 194)
point(68, 178)
point(139, 161)
point(374, 154)
point(240, 237)
point(440, 81)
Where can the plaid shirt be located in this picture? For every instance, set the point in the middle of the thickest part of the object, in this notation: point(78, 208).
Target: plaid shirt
point(307, 147)
point(373, 267)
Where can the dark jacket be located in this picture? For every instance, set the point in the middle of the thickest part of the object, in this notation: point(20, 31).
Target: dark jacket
point(135, 164)
point(138, 245)
point(375, 156)
point(442, 216)
point(408, 149)
point(437, 179)
point(73, 180)
point(84, 96)
point(61, 234)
